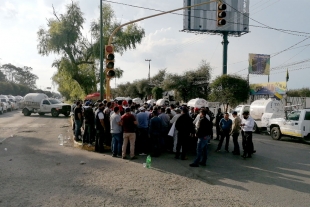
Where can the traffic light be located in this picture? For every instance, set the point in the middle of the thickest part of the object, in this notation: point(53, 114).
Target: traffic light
point(109, 54)
point(221, 14)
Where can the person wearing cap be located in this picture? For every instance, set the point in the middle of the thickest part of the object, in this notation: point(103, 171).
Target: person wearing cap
point(247, 129)
point(142, 138)
point(235, 131)
point(128, 121)
point(185, 127)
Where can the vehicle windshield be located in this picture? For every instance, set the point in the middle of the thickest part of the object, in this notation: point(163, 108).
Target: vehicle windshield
point(11, 99)
point(3, 100)
point(54, 101)
point(294, 116)
point(238, 108)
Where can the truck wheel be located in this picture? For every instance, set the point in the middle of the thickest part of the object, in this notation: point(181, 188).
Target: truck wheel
point(275, 133)
point(67, 113)
point(41, 114)
point(26, 112)
point(2, 111)
point(55, 113)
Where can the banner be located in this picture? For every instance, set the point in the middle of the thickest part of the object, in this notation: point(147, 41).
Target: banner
point(259, 64)
point(274, 88)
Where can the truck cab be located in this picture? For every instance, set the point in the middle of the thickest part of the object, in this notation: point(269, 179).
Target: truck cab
point(6, 103)
point(295, 125)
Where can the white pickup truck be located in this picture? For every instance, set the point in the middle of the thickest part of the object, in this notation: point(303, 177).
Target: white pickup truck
point(41, 104)
point(296, 125)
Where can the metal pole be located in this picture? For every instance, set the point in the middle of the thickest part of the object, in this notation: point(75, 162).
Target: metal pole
point(101, 53)
point(225, 48)
point(149, 69)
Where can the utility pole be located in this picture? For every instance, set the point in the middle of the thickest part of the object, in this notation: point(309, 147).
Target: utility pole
point(101, 53)
point(225, 49)
point(149, 69)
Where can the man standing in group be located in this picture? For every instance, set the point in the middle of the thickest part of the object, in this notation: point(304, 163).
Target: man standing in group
point(225, 127)
point(235, 131)
point(185, 127)
point(78, 120)
point(218, 118)
point(203, 133)
point(156, 126)
point(165, 141)
point(107, 112)
point(89, 124)
point(143, 124)
point(247, 128)
point(116, 131)
point(129, 126)
point(100, 128)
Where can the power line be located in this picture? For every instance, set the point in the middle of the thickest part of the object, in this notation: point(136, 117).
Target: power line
point(265, 26)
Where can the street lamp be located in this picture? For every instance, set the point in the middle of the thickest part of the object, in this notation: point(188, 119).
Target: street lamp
point(149, 60)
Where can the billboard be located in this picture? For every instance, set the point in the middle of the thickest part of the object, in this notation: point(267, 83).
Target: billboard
point(204, 18)
point(273, 88)
point(259, 64)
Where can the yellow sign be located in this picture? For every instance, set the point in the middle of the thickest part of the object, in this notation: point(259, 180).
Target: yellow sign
point(274, 88)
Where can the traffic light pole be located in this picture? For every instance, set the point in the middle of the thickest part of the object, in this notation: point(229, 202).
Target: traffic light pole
point(225, 49)
point(101, 53)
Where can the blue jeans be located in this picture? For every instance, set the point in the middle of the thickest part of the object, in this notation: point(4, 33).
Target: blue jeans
point(78, 125)
point(117, 143)
point(202, 150)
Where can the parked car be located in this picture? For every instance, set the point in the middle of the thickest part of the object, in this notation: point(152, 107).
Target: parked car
point(5, 99)
point(2, 107)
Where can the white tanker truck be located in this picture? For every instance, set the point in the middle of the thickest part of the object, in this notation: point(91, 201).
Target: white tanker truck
point(41, 104)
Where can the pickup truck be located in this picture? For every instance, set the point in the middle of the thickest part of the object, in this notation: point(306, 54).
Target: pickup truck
point(295, 125)
point(41, 104)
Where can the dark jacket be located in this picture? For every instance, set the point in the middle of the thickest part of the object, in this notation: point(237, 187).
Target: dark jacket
point(184, 124)
point(204, 128)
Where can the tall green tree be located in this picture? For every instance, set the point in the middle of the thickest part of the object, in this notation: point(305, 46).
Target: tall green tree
point(191, 84)
point(78, 55)
point(19, 75)
point(230, 90)
point(303, 92)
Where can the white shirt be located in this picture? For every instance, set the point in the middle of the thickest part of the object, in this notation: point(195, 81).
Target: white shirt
point(175, 118)
point(173, 113)
point(248, 124)
point(198, 117)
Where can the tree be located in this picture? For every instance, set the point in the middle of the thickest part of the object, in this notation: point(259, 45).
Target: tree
point(230, 89)
point(22, 76)
point(157, 92)
point(2, 76)
point(303, 92)
point(192, 84)
point(64, 37)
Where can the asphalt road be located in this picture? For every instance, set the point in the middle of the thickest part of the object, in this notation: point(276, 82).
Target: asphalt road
point(36, 171)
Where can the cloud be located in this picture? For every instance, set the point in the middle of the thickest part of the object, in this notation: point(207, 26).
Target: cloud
point(8, 10)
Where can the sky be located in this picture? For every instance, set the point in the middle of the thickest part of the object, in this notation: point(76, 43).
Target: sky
point(164, 43)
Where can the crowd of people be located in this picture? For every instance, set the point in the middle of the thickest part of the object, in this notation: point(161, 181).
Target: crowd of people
point(124, 126)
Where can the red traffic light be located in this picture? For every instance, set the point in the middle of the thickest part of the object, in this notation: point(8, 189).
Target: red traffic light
point(109, 48)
